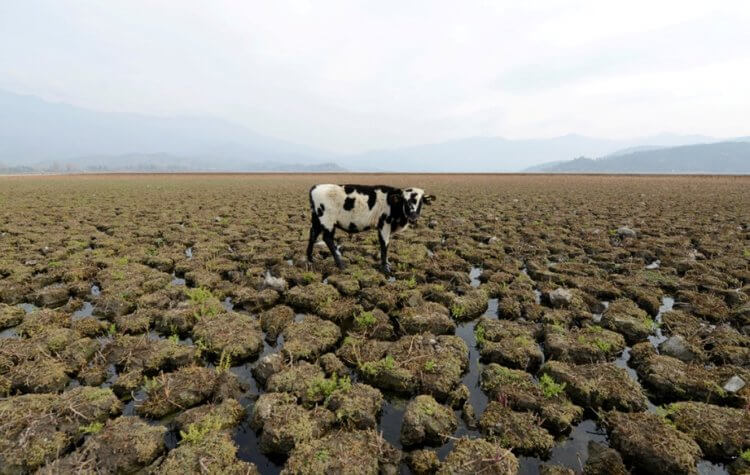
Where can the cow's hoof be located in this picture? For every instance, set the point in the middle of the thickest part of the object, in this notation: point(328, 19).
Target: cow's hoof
point(386, 269)
point(341, 266)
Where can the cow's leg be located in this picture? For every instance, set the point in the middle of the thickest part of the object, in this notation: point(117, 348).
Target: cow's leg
point(328, 238)
point(315, 230)
point(383, 238)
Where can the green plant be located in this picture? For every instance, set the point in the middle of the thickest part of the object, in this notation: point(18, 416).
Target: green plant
point(198, 430)
point(204, 301)
point(411, 282)
point(174, 338)
point(604, 346)
point(93, 428)
point(549, 387)
point(322, 455)
point(325, 387)
point(112, 329)
point(121, 261)
point(308, 278)
point(746, 255)
point(225, 362)
point(365, 319)
point(198, 295)
point(458, 310)
point(371, 368)
point(427, 409)
point(151, 384)
point(430, 365)
point(200, 348)
point(745, 455)
point(479, 335)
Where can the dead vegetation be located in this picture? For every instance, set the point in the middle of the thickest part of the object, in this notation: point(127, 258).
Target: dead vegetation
point(164, 296)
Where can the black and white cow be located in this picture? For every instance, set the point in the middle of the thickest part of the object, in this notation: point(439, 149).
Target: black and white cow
point(356, 208)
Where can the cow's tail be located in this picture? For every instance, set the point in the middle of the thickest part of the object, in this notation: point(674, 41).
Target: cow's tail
point(312, 203)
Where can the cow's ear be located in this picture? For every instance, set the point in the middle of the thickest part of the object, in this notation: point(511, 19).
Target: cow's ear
point(394, 198)
point(428, 199)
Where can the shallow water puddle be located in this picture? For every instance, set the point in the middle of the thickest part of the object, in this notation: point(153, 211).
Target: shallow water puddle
point(597, 317)
point(666, 305)
point(28, 307)
point(86, 311)
point(474, 274)
point(571, 453)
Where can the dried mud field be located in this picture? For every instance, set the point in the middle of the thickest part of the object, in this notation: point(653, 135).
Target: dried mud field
point(533, 324)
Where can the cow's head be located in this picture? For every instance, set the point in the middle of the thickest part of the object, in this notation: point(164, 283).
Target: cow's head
point(411, 201)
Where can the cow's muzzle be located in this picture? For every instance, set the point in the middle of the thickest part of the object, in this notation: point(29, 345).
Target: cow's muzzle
point(413, 218)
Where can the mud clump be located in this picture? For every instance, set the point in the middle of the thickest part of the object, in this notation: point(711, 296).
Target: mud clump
point(286, 424)
point(518, 390)
point(670, 379)
point(721, 432)
point(340, 451)
point(42, 320)
point(469, 305)
point(301, 379)
point(374, 324)
point(650, 444)
point(89, 327)
point(509, 343)
point(470, 456)
point(10, 316)
point(602, 385)
point(357, 406)
point(37, 428)
point(310, 337)
point(423, 462)
point(274, 320)
point(232, 334)
point(267, 366)
point(209, 452)
point(603, 461)
point(587, 345)
point(419, 363)
point(129, 353)
point(183, 389)
point(624, 317)
point(226, 415)
point(311, 298)
point(520, 431)
point(427, 422)
point(123, 445)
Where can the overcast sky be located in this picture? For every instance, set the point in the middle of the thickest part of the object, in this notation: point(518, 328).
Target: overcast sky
point(354, 75)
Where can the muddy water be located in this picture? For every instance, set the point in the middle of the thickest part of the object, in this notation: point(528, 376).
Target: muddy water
point(571, 450)
point(705, 467)
point(84, 311)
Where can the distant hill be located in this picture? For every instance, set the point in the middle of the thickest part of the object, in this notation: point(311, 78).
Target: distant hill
point(716, 158)
point(497, 154)
point(42, 135)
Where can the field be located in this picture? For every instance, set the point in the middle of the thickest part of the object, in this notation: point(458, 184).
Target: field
point(533, 324)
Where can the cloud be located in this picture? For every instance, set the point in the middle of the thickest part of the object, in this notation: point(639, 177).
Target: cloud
point(352, 75)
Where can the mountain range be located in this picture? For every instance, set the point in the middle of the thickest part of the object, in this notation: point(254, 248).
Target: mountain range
point(730, 157)
point(38, 135)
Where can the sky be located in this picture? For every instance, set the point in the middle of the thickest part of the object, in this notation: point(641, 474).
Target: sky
point(349, 76)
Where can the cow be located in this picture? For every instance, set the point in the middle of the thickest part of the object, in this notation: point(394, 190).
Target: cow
point(356, 208)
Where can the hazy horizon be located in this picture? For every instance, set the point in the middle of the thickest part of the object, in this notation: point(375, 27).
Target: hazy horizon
point(352, 77)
